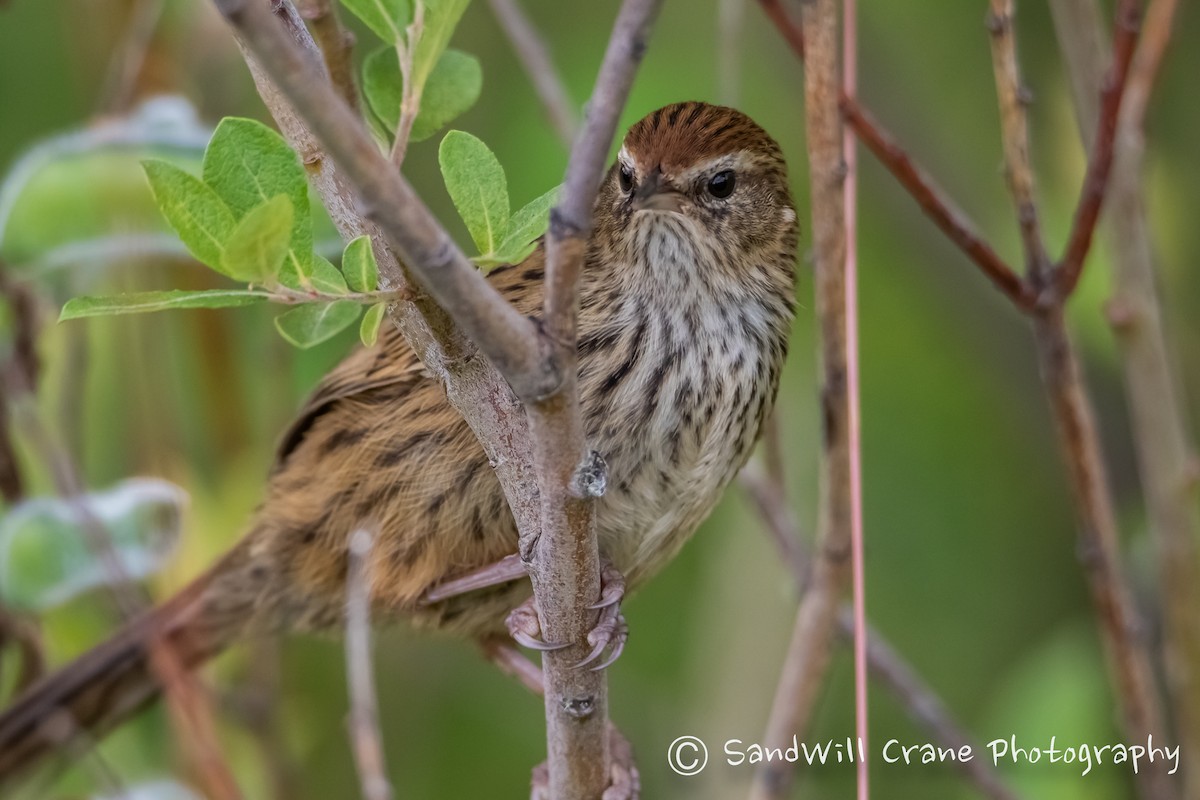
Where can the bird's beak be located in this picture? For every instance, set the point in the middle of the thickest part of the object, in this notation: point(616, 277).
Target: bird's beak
point(656, 194)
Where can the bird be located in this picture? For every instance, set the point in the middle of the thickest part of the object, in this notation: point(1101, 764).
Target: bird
point(687, 297)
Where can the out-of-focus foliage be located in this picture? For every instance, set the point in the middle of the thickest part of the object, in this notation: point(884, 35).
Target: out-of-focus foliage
point(49, 546)
point(971, 566)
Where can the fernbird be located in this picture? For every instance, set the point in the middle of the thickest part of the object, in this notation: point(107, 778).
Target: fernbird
point(686, 303)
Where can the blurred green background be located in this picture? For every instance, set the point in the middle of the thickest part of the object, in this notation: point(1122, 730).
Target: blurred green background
point(971, 567)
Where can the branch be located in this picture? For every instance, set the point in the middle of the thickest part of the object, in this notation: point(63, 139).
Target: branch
point(554, 522)
point(933, 201)
point(1099, 547)
point(565, 565)
point(530, 48)
point(336, 43)
point(364, 708)
point(1014, 129)
point(792, 31)
point(508, 339)
point(808, 653)
point(1166, 450)
point(887, 666)
point(925, 707)
point(1095, 182)
point(939, 208)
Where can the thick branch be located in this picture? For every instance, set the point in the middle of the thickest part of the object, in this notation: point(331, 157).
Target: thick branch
point(531, 50)
point(1014, 130)
point(565, 567)
point(1166, 450)
point(808, 653)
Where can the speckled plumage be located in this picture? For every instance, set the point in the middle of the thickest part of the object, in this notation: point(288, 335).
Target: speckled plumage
point(685, 312)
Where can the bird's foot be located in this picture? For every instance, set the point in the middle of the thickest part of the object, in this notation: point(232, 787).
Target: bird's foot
point(608, 636)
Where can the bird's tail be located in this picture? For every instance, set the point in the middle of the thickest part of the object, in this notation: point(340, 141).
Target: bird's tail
point(109, 683)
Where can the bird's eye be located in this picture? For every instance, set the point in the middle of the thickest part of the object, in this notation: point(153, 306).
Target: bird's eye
point(625, 176)
point(721, 185)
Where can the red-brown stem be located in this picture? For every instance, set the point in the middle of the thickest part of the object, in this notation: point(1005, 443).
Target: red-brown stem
point(939, 208)
point(808, 653)
point(793, 32)
point(1095, 182)
point(933, 201)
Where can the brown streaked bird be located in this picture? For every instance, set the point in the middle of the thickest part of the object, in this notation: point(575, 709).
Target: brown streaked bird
point(686, 306)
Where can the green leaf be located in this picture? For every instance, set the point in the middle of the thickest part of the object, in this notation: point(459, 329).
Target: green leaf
point(255, 250)
point(453, 87)
point(441, 18)
point(358, 264)
point(200, 217)
point(326, 278)
point(524, 228)
point(476, 183)
point(139, 302)
point(313, 323)
point(368, 331)
point(386, 18)
point(246, 164)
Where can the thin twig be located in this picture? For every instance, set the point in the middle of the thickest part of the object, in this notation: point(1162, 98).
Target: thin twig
point(933, 201)
point(887, 665)
point(939, 208)
point(926, 709)
point(1095, 181)
point(564, 557)
point(808, 653)
point(858, 583)
point(410, 92)
point(1166, 450)
point(793, 32)
point(364, 707)
point(1014, 129)
point(531, 49)
point(336, 43)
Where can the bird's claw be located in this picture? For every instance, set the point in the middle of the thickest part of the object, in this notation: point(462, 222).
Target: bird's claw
point(609, 634)
point(525, 629)
point(612, 586)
